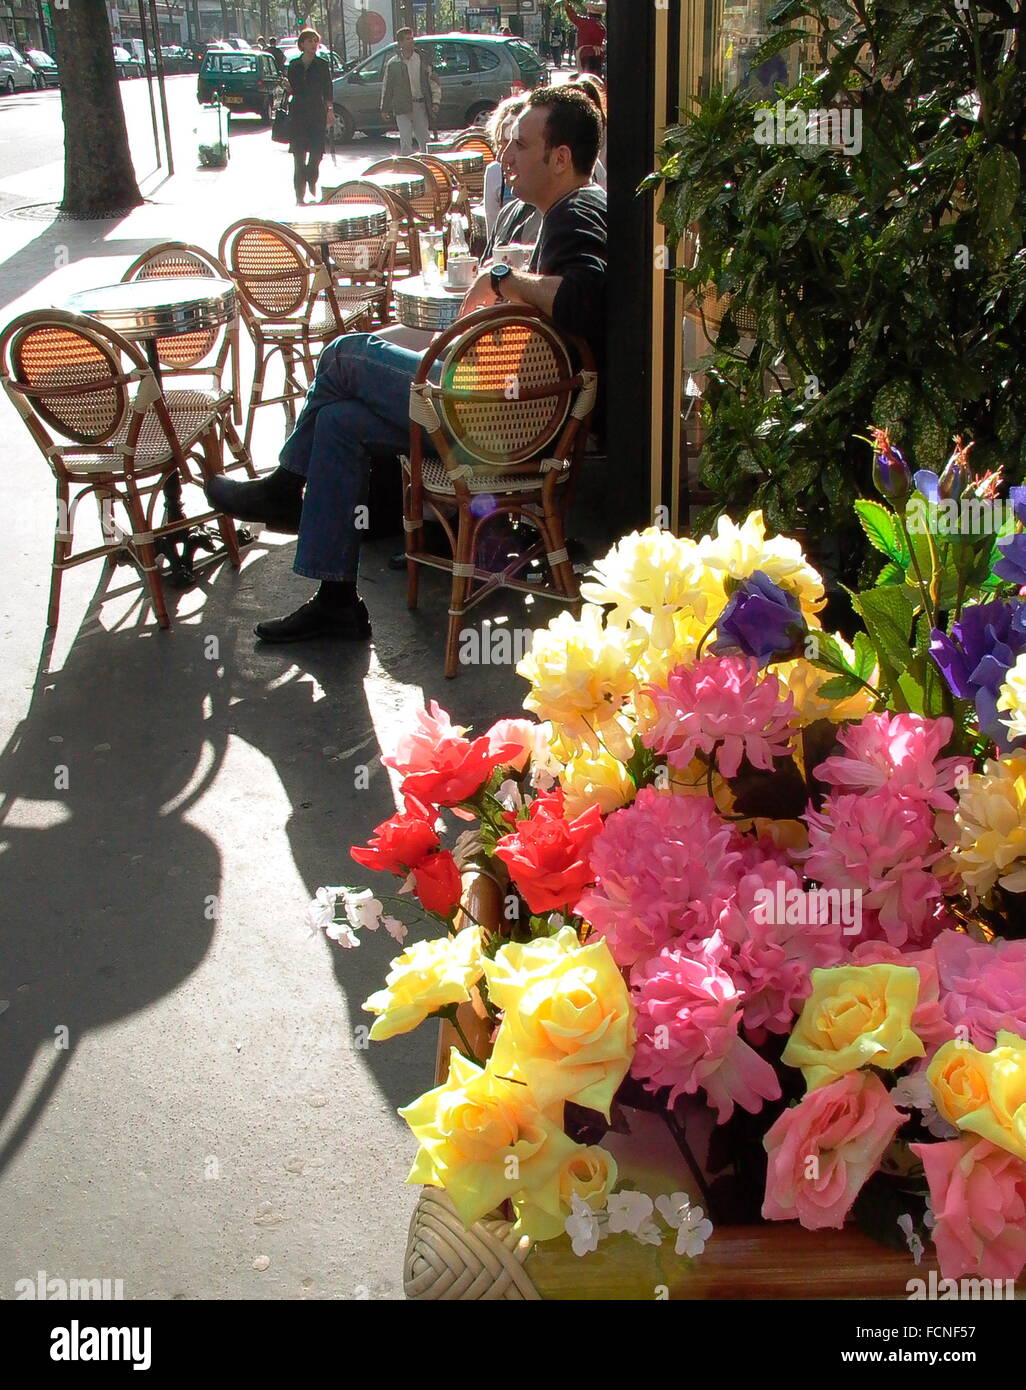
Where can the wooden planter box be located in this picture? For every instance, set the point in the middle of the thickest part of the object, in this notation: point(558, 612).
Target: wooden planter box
point(779, 1260)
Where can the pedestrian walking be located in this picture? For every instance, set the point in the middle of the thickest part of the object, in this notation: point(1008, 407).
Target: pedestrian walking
point(278, 56)
point(309, 79)
point(591, 35)
point(407, 93)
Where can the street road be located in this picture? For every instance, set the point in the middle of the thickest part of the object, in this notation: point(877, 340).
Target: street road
point(32, 147)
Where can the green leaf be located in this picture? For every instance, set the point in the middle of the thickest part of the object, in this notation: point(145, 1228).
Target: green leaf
point(887, 613)
point(839, 688)
point(828, 654)
point(882, 529)
point(865, 656)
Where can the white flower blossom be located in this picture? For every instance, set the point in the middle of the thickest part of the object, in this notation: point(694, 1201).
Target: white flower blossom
point(582, 1226)
point(628, 1211)
point(320, 913)
point(509, 795)
point(913, 1092)
point(692, 1225)
point(343, 933)
point(912, 1238)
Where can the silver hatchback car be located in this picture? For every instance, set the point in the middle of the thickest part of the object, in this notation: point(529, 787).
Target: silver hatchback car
point(475, 72)
point(16, 73)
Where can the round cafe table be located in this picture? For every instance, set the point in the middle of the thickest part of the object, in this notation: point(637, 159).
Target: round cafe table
point(144, 311)
point(430, 308)
point(322, 223)
point(405, 186)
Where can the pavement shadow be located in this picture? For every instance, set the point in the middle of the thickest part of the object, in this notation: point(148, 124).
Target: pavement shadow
point(59, 244)
point(109, 888)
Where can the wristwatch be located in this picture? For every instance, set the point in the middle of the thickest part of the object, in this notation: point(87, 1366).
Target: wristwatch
point(500, 274)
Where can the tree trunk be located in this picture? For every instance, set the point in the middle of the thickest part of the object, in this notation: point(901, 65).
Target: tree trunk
point(99, 178)
point(225, 24)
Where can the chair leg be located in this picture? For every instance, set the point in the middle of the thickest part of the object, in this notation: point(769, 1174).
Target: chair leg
point(61, 551)
point(464, 557)
point(256, 393)
point(412, 513)
point(291, 385)
point(212, 463)
point(554, 534)
point(144, 553)
point(240, 454)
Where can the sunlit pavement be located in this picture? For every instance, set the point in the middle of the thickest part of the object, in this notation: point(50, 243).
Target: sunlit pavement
point(186, 1109)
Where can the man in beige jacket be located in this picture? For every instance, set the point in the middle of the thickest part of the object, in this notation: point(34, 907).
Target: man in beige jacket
point(406, 93)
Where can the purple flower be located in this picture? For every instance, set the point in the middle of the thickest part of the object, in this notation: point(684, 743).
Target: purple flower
point(1012, 565)
point(928, 484)
point(761, 620)
point(892, 476)
point(975, 659)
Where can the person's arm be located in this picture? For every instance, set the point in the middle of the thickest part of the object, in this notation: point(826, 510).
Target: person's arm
point(288, 77)
point(575, 19)
point(328, 93)
point(386, 89)
point(492, 193)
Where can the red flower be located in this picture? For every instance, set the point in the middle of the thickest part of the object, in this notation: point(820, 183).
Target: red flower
point(460, 771)
point(547, 855)
point(400, 843)
point(437, 883)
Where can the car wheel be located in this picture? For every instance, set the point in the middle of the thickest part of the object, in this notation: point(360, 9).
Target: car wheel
point(37, 82)
point(344, 127)
point(9, 86)
point(479, 115)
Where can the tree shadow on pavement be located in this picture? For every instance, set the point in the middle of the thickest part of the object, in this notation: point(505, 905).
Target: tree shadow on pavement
point(59, 244)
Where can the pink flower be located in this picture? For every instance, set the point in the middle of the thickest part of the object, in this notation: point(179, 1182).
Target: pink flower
point(983, 986)
point(661, 866)
point(777, 939)
point(519, 732)
point(689, 1013)
point(823, 1149)
point(928, 1018)
point(884, 846)
point(896, 753)
point(721, 700)
point(978, 1197)
point(433, 736)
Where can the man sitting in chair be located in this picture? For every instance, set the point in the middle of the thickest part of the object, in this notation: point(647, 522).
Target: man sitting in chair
point(358, 403)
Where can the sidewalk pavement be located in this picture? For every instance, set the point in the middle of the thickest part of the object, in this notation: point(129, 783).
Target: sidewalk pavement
point(186, 1106)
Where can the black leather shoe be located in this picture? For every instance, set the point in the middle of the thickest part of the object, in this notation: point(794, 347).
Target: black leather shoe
point(259, 501)
point(314, 620)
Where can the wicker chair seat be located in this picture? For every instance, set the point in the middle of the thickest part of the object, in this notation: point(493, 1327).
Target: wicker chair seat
point(322, 322)
point(192, 415)
point(437, 480)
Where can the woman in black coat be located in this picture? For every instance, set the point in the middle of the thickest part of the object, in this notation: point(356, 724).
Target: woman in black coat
point(309, 79)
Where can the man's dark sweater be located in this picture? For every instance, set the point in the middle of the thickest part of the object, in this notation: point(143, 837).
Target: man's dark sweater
point(571, 244)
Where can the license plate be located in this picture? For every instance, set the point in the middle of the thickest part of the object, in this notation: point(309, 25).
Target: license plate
point(233, 101)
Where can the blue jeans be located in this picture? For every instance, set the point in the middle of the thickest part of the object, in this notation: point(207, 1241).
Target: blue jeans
point(357, 405)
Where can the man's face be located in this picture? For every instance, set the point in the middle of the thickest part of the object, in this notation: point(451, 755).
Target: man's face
point(535, 173)
point(308, 46)
point(406, 47)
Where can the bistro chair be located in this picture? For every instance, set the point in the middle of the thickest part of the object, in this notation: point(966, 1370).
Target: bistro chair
point(450, 184)
point(430, 207)
point(94, 407)
point(364, 269)
point(288, 304)
point(504, 433)
point(474, 142)
point(202, 355)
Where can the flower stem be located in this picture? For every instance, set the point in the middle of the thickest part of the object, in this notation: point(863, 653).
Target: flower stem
point(468, 1050)
point(681, 1140)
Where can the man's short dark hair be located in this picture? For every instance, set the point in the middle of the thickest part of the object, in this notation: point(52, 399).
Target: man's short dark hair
point(403, 34)
point(572, 120)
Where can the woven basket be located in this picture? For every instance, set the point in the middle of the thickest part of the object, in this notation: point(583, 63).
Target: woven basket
point(446, 1261)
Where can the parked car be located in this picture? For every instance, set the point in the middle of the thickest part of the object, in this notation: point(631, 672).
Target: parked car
point(246, 81)
point(126, 65)
point(291, 51)
point(16, 74)
point(475, 71)
point(47, 74)
point(177, 60)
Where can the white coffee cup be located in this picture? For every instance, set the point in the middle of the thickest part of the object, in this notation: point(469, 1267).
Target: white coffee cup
point(461, 272)
point(517, 255)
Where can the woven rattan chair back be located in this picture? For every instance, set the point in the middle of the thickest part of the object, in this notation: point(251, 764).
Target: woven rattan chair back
point(74, 375)
point(429, 207)
point(475, 141)
point(472, 184)
point(368, 257)
point(276, 272)
point(182, 351)
point(515, 406)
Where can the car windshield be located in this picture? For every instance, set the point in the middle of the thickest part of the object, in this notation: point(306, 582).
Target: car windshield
point(525, 55)
point(121, 54)
point(230, 62)
point(43, 59)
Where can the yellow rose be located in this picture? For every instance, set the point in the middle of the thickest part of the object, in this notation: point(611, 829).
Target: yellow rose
point(958, 1080)
point(736, 552)
point(596, 780)
point(802, 681)
point(646, 579)
point(429, 975)
point(856, 1016)
point(568, 1025)
point(984, 1092)
point(484, 1140)
point(590, 1174)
